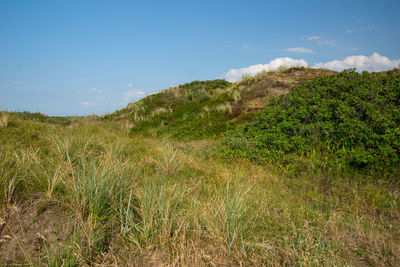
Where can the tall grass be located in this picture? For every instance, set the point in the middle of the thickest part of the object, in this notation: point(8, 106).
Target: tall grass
point(94, 193)
point(3, 119)
point(9, 176)
point(235, 209)
point(230, 215)
point(159, 207)
point(166, 160)
point(20, 172)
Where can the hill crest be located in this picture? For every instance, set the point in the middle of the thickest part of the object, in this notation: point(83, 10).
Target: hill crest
point(207, 108)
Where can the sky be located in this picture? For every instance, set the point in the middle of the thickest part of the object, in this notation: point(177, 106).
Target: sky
point(67, 58)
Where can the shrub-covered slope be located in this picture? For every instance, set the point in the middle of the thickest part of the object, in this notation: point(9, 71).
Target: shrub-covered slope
point(353, 117)
point(206, 109)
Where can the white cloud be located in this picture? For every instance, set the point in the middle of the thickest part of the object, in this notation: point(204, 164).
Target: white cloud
point(299, 50)
point(310, 38)
point(134, 94)
point(89, 104)
point(326, 42)
point(96, 90)
point(374, 62)
point(130, 84)
point(364, 28)
point(236, 74)
point(321, 40)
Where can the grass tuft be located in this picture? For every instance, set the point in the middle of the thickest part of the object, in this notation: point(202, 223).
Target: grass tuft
point(4, 119)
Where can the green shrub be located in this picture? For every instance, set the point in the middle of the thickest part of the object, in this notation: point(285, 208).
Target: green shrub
point(350, 116)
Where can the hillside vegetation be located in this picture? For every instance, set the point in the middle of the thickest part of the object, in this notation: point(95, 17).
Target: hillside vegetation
point(37, 117)
point(351, 119)
point(90, 194)
point(297, 167)
point(206, 109)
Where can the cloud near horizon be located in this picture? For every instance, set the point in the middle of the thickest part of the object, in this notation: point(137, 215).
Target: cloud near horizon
point(375, 62)
point(89, 104)
point(96, 90)
point(326, 42)
point(133, 94)
point(234, 75)
point(299, 50)
point(315, 37)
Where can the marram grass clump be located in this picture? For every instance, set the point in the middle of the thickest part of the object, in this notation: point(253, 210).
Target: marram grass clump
point(3, 119)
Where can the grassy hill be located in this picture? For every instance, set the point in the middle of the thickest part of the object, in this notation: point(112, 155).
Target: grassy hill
point(206, 109)
point(265, 185)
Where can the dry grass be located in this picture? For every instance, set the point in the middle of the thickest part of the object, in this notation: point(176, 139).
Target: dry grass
point(224, 107)
point(150, 202)
point(3, 119)
point(257, 103)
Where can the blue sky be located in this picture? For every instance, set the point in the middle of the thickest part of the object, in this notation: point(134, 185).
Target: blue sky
point(92, 57)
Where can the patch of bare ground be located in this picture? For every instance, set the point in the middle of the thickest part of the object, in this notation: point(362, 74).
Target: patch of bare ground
point(29, 230)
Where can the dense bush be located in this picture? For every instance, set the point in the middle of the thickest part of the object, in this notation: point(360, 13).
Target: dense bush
point(353, 117)
point(207, 85)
